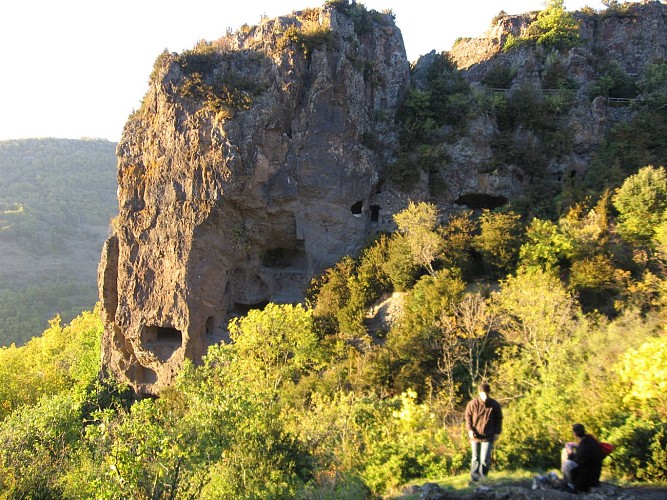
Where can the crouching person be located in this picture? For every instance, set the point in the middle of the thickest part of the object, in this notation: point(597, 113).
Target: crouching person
point(581, 462)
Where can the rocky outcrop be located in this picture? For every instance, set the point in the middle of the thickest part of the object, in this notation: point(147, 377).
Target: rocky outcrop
point(260, 159)
point(632, 35)
point(252, 164)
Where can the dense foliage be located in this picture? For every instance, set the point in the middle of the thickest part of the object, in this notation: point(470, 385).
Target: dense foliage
point(56, 199)
point(319, 401)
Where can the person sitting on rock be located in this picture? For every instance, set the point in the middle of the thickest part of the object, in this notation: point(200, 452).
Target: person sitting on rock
point(581, 461)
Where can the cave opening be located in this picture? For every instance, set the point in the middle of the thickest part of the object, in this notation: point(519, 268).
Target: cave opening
point(163, 341)
point(284, 257)
point(161, 335)
point(169, 335)
point(478, 201)
point(375, 213)
point(357, 208)
point(241, 309)
point(147, 376)
point(210, 325)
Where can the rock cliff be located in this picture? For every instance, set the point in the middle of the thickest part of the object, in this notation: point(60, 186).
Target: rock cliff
point(260, 159)
point(252, 164)
point(621, 41)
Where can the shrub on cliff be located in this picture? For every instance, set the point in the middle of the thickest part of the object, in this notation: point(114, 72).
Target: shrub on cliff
point(554, 28)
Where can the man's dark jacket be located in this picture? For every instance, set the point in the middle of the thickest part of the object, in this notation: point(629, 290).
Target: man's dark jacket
point(484, 418)
point(589, 457)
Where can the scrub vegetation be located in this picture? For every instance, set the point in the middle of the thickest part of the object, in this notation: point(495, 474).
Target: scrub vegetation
point(565, 318)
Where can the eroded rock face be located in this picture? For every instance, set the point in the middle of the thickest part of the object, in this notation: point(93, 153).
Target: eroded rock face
point(632, 36)
point(257, 161)
point(252, 165)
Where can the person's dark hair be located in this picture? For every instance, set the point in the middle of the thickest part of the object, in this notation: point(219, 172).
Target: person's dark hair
point(579, 430)
point(485, 388)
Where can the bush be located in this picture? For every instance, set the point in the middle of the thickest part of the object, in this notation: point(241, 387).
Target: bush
point(37, 442)
point(500, 76)
point(555, 74)
point(554, 28)
point(307, 38)
point(639, 450)
point(613, 82)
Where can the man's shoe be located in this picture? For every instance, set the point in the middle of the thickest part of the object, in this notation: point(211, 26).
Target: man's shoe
point(566, 488)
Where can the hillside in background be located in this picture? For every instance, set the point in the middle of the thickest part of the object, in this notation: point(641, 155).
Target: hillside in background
point(56, 199)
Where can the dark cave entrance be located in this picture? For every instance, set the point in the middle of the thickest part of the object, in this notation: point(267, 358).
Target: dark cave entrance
point(481, 201)
point(168, 335)
point(241, 309)
point(375, 213)
point(162, 341)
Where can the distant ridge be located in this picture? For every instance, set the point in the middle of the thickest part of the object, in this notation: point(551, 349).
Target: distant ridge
point(56, 199)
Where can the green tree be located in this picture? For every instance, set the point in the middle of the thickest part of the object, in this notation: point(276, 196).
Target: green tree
point(588, 230)
point(457, 240)
point(62, 358)
point(499, 240)
point(545, 247)
point(277, 344)
point(414, 343)
point(555, 27)
point(419, 223)
point(400, 266)
point(330, 293)
point(36, 443)
point(644, 372)
point(535, 313)
point(641, 203)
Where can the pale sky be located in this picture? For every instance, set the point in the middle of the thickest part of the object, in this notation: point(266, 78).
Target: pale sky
point(77, 68)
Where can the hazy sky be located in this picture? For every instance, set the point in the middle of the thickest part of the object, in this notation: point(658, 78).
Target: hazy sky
point(77, 68)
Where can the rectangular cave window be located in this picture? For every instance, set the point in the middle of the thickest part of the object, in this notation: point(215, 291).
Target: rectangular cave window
point(375, 213)
point(169, 335)
point(161, 335)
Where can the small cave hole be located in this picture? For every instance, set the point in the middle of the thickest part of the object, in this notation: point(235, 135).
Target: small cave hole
point(480, 201)
point(573, 174)
point(356, 208)
point(210, 325)
point(375, 213)
point(148, 376)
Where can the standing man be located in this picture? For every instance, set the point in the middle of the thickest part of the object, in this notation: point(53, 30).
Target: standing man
point(484, 422)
